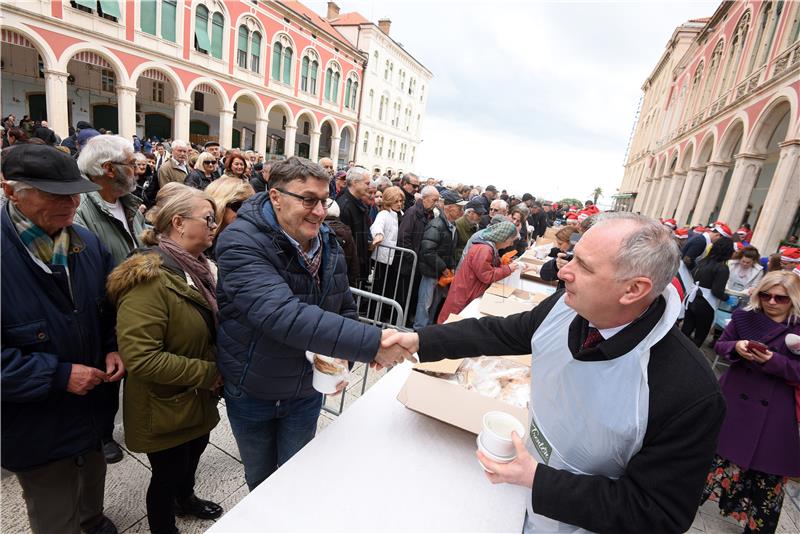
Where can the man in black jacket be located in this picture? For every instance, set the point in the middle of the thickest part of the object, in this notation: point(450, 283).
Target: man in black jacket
point(409, 183)
point(618, 304)
point(537, 221)
point(437, 258)
point(355, 214)
point(409, 236)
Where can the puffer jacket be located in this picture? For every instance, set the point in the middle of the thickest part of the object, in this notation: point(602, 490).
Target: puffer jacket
point(94, 214)
point(411, 230)
point(271, 310)
point(165, 332)
point(437, 249)
point(49, 323)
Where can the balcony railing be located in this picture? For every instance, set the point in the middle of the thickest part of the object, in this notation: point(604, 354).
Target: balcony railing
point(749, 85)
point(787, 60)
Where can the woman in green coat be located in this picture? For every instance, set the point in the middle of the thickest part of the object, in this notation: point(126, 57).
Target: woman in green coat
point(166, 313)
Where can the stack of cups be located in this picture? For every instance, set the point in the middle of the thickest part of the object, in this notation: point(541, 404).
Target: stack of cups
point(494, 441)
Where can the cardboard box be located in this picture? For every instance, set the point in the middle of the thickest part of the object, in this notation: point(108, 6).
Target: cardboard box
point(551, 231)
point(499, 289)
point(503, 307)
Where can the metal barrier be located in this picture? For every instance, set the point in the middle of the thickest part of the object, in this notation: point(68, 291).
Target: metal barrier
point(385, 279)
point(374, 319)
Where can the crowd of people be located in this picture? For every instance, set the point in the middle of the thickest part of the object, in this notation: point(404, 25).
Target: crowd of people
point(198, 273)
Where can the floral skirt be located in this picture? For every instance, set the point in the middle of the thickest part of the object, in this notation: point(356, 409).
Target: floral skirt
point(751, 497)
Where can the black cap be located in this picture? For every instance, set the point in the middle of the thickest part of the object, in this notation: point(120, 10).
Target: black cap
point(46, 169)
point(476, 205)
point(210, 144)
point(491, 188)
point(451, 197)
point(82, 125)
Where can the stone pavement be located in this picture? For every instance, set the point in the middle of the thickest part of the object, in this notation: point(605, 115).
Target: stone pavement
point(220, 478)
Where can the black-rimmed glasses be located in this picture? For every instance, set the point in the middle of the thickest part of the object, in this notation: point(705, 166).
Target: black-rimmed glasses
point(210, 220)
point(309, 203)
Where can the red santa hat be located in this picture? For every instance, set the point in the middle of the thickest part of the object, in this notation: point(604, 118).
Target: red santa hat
point(742, 231)
point(722, 229)
point(790, 254)
point(738, 245)
point(571, 216)
point(682, 233)
point(699, 229)
point(672, 223)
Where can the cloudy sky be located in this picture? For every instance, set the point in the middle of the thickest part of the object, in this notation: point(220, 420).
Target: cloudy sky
point(535, 97)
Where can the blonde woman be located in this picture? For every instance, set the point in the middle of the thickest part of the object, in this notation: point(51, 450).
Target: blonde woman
point(229, 194)
point(204, 172)
point(166, 318)
point(384, 232)
point(759, 447)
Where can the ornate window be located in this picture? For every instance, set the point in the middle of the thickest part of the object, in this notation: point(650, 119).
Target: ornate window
point(696, 81)
point(332, 77)
point(365, 148)
point(282, 54)
point(370, 102)
point(375, 60)
point(309, 69)
point(151, 20)
point(735, 51)
point(351, 92)
point(765, 34)
point(217, 29)
point(248, 47)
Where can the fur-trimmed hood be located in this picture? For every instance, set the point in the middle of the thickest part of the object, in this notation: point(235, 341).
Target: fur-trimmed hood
point(139, 268)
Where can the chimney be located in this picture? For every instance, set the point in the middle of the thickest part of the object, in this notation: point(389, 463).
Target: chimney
point(333, 10)
point(384, 25)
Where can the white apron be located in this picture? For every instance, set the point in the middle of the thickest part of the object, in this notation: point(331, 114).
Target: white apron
point(587, 417)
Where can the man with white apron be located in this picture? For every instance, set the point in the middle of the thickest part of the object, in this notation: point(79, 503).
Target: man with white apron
point(624, 410)
point(697, 247)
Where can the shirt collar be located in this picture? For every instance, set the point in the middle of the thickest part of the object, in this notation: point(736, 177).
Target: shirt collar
point(608, 333)
point(315, 243)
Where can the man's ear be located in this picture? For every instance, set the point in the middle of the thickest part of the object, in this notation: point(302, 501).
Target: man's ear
point(637, 289)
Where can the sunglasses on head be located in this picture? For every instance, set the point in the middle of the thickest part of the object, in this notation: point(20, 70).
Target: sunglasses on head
point(779, 299)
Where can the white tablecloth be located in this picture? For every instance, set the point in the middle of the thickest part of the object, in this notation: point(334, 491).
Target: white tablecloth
point(381, 467)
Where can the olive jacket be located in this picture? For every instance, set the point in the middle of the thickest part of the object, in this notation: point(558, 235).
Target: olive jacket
point(166, 339)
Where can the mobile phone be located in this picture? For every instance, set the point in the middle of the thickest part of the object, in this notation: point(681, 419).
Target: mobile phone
point(757, 345)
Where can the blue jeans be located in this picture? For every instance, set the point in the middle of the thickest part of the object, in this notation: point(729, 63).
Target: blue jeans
point(427, 302)
point(268, 433)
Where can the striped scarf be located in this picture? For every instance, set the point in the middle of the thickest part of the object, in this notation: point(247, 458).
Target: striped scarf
point(50, 251)
point(312, 262)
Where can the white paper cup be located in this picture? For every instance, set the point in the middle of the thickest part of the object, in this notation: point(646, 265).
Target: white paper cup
point(325, 383)
point(496, 434)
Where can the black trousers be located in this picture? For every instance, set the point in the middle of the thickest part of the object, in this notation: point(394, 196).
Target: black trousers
point(407, 285)
point(698, 320)
point(172, 479)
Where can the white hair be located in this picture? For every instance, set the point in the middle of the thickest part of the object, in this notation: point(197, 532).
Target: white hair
point(180, 144)
point(649, 250)
point(356, 174)
point(499, 204)
point(18, 186)
point(429, 190)
point(101, 149)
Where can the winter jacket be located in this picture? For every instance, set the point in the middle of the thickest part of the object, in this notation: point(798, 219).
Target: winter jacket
point(165, 331)
point(355, 214)
point(271, 310)
point(437, 249)
point(49, 322)
point(258, 184)
point(410, 232)
point(198, 179)
point(464, 230)
point(345, 239)
point(475, 274)
point(170, 172)
point(409, 199)
point(760, 429)
point(94, 215)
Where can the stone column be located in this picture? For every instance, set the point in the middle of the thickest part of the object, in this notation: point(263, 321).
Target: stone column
point(314, 149)
point(126, 111)
point(652, 191)
point(226, 128)
point(288, 145)
point(672, 196)
point(351, 154)
point(661, 193)
point(261, 136)
point(782, 199)
point(641, 197)
point(55, 86)
point(335, 151)
point(743, 179)
point(715, 174)
point(691, 188)
point(180, 125)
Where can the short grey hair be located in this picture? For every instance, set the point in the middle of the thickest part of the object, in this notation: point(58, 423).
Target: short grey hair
point(100, 149)
point(18, 186)
point(500, 204)
point(649, 250)
point(383, 181)
point(356, 174)
point(429, 190)
point(178, 143)
point(139, 157)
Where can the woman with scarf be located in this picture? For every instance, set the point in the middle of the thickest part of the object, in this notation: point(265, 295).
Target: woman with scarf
point(480, 267)
point(166, 322)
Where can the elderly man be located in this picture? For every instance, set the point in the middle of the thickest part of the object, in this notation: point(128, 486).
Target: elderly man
point(327, 164)
point(467, 225)
point(488, 195)
point(409, 236)
point(59, 348)
point(176, 168)
point(113, 215)
point(410, 186)
point(624, 410)
point(283, 290)
point(437, 260)
point(354, 212)
point(497, 207)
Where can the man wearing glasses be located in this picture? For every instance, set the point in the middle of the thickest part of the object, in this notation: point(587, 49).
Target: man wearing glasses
point(410, 186)
point(283, 290)
point(113, 215)
point(176, 168)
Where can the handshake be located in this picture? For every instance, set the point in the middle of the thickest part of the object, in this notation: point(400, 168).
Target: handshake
point(395, 347)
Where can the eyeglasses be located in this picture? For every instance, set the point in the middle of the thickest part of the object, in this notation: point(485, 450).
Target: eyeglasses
point(235, 205)
point(779, 299)
point(209, 162)
point(309, 203)
point(124, 163)
point(210, 220)
point(415, 186)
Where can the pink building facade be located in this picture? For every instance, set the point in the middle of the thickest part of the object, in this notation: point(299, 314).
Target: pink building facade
point(718, 131)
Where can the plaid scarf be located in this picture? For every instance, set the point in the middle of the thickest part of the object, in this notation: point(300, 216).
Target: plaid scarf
point(312, 262)
point(50, 251)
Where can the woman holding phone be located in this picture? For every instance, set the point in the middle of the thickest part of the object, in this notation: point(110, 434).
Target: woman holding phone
point(759, 446)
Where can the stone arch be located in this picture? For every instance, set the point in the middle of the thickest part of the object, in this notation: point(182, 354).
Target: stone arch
point(733, 136)
point(314, 122)
point(686, 157)
point(152, 65)
point(703, 155)
point(119, 69)
point(220, 92)
point(350, 127)
point(283, 106)
point(260, 112)
point(673, 158)
point(334, 128)
point(36, 41)
point(765, 124)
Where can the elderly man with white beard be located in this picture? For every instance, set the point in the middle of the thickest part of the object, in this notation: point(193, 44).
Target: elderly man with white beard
point(113, 215)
